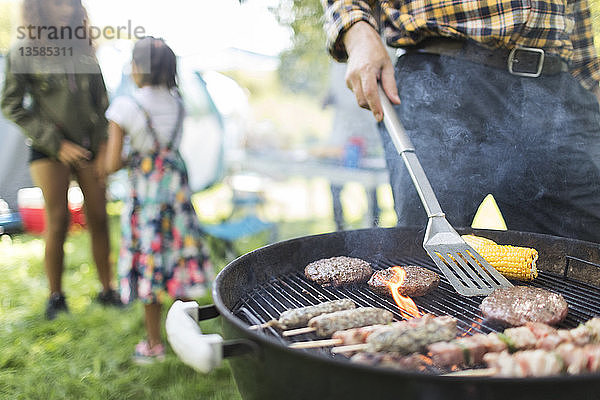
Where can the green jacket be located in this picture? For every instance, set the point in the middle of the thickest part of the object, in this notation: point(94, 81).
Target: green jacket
point(50, 107)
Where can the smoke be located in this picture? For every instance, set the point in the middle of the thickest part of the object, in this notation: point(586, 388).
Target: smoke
point(479, 130)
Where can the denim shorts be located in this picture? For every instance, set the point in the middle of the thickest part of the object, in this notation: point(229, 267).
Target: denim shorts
point(35, 155)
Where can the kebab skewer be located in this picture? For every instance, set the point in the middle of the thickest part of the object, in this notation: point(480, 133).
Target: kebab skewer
point(471, 350)
point(407, 337)
point(344, 337)
point(535, 348)
point(577, 349)
point(326, 324)
point(355, 339)
point(411, 362)
point(566, 358)
point(298, 317)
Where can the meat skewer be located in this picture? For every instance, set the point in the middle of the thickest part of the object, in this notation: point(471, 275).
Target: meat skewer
point(578, 353)
point(297, 317)
point(326, 324)
point(312, 344)
point(527, 363)
point(566, 358)
point(406, 337)
point(470, 350)
point(411, 362)
point(345, 337)
point(533, 336)
point(540, 350)
point(473, 372)
point(466, 350)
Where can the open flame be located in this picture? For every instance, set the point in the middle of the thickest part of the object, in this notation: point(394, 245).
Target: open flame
point(475, 325)
point(408, 308)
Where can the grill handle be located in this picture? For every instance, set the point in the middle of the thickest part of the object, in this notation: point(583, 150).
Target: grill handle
point(195, 349)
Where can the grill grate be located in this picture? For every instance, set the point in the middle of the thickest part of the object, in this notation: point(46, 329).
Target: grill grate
point(267, 301)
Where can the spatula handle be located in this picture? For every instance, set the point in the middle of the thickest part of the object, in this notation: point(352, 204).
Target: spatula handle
point(407, 151)
point(394, 126)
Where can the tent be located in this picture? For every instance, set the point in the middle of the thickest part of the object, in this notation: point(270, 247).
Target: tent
point(217, 110)
point(14, 157)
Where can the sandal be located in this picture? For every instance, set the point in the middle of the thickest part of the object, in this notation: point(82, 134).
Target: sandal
point(144, 354)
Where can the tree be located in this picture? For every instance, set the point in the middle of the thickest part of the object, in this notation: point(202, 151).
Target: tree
point(305, 66)
point(8, 16)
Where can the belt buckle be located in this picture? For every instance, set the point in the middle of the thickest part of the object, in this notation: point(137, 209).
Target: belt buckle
point(512, 60)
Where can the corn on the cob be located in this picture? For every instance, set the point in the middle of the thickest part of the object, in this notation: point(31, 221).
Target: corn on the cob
point(511, 261)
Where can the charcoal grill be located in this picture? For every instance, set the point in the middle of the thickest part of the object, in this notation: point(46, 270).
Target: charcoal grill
point(258, 286)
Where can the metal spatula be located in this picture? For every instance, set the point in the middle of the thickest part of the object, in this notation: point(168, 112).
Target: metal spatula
point(467, 271)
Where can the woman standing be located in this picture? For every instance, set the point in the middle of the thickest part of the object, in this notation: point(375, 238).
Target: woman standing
point(58, 99)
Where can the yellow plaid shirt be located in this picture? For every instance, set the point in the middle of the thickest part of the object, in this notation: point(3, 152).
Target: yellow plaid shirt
point(561, 27)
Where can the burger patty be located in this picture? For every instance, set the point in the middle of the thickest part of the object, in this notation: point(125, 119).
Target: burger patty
point(418, 281)
point(338, 271)
point(518, 305)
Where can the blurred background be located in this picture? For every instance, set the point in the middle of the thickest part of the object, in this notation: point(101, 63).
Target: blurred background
point(276, 148)
point(270, 122)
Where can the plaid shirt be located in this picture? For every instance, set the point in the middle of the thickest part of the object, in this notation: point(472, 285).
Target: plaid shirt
point(561, 27)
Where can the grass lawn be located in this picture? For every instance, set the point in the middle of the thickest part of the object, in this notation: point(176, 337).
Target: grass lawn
point(87, 353)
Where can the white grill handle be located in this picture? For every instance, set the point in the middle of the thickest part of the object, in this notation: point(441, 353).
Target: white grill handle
point(197, 350)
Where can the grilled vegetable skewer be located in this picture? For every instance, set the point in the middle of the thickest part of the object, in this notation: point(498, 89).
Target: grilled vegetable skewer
point(297, 317)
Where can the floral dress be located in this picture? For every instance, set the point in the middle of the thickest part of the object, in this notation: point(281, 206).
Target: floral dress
point(161, 249)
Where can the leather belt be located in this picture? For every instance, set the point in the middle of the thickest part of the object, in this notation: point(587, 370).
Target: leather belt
point(520, 61)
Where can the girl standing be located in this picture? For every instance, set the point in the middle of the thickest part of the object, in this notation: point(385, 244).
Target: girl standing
point(59, 103)
point(161, 251)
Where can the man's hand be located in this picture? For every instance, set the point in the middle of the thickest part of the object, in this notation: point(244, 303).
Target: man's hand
point(72, 154)
point(369, 63)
